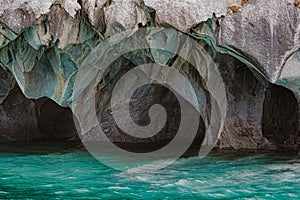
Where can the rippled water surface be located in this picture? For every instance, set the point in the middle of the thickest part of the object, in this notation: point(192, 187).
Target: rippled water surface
point(63, 171)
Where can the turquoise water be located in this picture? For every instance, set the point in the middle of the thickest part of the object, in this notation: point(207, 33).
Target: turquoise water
point(64, 171)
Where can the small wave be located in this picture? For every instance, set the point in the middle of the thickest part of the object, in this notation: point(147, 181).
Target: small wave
point(146, 167)
point(182, 182)
point(119, 188)
point(81, 190)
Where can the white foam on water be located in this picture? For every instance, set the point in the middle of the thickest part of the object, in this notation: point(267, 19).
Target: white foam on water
point(119, 188)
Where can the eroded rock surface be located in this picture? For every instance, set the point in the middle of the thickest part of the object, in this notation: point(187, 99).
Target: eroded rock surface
point(128, 14)
point(18, 15)
point(22, 119)
point(289, 76)
point(18, 120)
point(267, 32)
point(183, 15)
point(245, 98)
point(6, 84)
point(43, 43)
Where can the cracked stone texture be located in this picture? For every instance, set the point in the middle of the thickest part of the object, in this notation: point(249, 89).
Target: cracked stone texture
point(184, 15)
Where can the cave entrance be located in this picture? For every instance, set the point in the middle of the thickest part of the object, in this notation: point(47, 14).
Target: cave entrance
point(140, 103)
point(280, 122)
point(55, 122)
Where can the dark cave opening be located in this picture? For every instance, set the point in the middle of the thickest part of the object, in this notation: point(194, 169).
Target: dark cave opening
point(17, 118)
point(280, 121)
point(22, 119)
point(140, 103)
point(55, 122)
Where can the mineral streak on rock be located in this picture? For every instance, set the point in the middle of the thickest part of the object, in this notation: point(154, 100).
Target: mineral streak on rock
point(45, 56)
point(243, 2)
point(42, 44)
point(235, 9)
